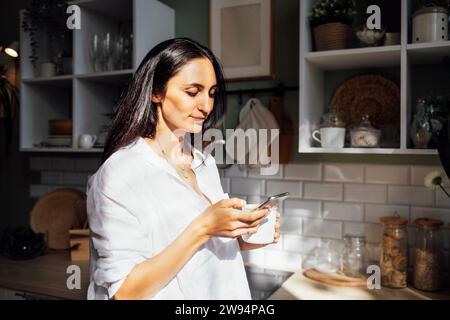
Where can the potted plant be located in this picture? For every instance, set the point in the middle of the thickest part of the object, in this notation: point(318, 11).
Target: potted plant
point(331, 22)
point(50, 41)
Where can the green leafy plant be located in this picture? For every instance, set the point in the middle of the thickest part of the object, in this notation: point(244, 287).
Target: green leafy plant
point(46, 16)
point(327, 11)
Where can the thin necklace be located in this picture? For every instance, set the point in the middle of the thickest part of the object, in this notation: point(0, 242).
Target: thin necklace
point(184, 169)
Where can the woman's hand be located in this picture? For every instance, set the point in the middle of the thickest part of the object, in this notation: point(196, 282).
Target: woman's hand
point(225, 219)
point(276, 238)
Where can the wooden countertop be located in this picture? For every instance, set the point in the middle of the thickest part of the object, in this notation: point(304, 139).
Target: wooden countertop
point(44, 275)
point(298, 287)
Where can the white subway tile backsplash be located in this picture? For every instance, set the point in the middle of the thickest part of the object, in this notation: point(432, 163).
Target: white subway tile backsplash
point(418, 174)
point(254, 257)
point(291, 225)
point(247, 186)
point(322, 228)
point(442, 200)
point(343, 211)
point(235, 172)
point(365, 193)
point(37, 191)
point(343, 173)
point(304, 172)
point(87, 164)
point(374, 212)
point(323, 191)
point(51, 177)
point(302, 208)
point(257, 174)
point(40, 163)
point(372, 231)
point(226, 184)
point(434, 213)
point(282, 260)
point(277, 187)
point(299, 244)
point(74, 178)
point(387, 174)
point(416, 196)
point(63, 164)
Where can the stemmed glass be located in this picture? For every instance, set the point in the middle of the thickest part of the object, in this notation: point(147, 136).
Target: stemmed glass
point(96, 52)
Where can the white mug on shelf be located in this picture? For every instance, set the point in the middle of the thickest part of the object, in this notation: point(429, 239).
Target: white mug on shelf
point(48, 69)
point(330, 137)
point(86, 141)
point(266, 231)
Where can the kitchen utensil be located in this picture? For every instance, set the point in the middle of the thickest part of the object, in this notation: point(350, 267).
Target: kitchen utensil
point(372, 95)
point(330, 137)
point(332, 131)
point(336, 279)
point(86, 141)
point(55, 213)
point(286, 129)
point(60, 127)
point(430, 24)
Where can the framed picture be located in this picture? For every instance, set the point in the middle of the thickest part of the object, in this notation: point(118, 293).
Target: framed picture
point(240, 35)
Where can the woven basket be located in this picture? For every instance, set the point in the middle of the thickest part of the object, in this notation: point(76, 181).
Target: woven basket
point(331, 36)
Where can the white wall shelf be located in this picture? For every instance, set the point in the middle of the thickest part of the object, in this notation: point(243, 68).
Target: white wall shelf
point(86, 96)
point(319, 72)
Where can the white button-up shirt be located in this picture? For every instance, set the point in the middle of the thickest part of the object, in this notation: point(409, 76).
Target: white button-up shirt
point(137, 205)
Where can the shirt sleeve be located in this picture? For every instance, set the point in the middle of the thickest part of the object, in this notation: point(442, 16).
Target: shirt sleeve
point(118, 237)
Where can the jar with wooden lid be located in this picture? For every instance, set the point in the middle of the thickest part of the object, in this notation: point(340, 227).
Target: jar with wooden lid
point(394, 252)
point(428, 255)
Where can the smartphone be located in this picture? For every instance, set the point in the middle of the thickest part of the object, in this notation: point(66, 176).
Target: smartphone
point(273, 200)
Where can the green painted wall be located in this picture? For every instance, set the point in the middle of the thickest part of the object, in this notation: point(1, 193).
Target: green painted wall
point(192, 21)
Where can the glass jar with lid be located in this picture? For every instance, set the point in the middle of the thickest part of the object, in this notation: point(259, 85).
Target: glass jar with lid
point(428, 253)
point(365, 135)
point(394, 252)
point(355, 256)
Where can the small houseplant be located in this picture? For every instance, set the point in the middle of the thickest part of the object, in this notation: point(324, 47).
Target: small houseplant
point(45, 23)
point(331, 22)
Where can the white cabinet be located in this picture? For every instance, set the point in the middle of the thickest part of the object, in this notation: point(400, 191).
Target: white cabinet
point(86, 96)
point(418, 68)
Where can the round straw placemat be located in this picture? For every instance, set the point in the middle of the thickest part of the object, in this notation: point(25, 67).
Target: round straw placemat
point(55, 213)
point(372, 95)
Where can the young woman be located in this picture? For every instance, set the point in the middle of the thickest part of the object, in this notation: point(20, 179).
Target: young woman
point(161, 225)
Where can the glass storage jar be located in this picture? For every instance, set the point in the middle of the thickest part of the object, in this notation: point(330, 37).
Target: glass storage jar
point(428, 255)
point(355, 256)
point(365, 136)
point(394, 252)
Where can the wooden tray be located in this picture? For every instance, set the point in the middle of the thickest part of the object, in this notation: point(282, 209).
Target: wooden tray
point(373, 95)
point(335, 279)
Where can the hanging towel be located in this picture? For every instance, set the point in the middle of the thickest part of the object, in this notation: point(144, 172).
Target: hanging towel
point(254, 115)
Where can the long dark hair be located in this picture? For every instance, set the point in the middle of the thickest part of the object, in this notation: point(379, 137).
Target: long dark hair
point(136, 114)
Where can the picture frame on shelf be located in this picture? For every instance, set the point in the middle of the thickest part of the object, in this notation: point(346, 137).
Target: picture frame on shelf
point(240, 35)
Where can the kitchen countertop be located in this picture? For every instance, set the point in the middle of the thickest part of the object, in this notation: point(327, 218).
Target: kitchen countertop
point(298, 287)
point(45, 275)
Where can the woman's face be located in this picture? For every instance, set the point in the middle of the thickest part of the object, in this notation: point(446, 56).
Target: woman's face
point(189, 96)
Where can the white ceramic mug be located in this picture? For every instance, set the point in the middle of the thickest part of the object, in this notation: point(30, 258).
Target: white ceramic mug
point(330, 137)
point(48, 69)
point(266, 231)
point(86, 141)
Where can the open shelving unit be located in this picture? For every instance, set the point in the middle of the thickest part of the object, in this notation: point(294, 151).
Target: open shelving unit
point(416, 68)
point(86, 96)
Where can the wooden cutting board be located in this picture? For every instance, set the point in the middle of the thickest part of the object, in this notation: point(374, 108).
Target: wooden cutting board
point(286, 129)
point(335, 279)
